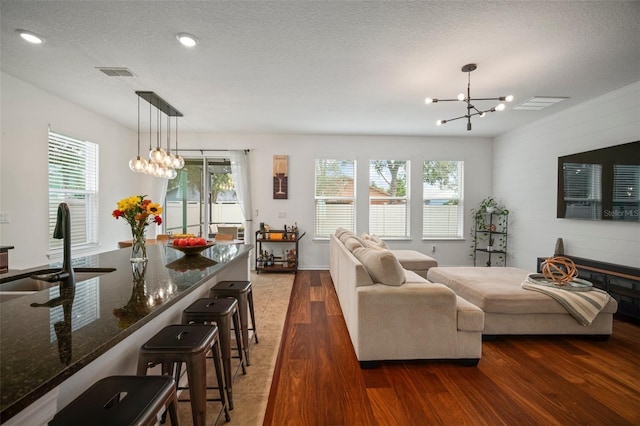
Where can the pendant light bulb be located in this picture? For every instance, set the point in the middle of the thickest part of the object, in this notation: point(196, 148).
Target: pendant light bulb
point(138, 164)
point(178, 162)
point(158, 171)
point(148, 170)
point(168, 161)
point(172, 174)
point(157, 155)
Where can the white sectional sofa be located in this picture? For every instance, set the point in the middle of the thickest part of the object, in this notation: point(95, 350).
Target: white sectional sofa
point(395, 314)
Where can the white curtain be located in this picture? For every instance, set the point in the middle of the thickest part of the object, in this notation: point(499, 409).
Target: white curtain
point(158, 195)
point(241, 173)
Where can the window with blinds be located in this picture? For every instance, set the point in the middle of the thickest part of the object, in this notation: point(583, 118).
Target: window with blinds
point(389, 198)
point(73, 179)
point(442, 210)
point(335, 196)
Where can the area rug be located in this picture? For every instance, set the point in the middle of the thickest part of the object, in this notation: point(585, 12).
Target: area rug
point(271, 293)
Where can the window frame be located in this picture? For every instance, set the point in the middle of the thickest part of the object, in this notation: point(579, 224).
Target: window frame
point(75, 162)
point(338, 199)
point(459, 211)
point(405, 201)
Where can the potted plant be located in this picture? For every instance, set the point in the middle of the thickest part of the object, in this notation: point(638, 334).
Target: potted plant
point(481, 222)
point(490, 245)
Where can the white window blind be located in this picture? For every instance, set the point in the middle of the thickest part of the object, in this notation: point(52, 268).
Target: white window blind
point(73, 179)
point(335, 196)
point(389, 198)
point(442, 210)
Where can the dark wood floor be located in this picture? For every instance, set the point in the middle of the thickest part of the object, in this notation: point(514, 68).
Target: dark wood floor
point(519, 380)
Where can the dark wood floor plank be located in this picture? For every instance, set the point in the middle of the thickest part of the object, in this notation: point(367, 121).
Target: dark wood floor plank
point(523, 380)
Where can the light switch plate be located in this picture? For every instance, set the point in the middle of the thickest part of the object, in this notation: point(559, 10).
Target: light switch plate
point(5, 217)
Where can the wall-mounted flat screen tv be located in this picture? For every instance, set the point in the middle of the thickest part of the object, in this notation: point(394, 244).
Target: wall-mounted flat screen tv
point(603, 184)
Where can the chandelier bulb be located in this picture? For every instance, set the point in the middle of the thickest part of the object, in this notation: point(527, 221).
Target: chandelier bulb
point(157, 155)
point(482, 114)
point(172, 174)
point(461, 96)
point(500, 107)
point(428, 101)
point(168, 160)
point(178, 162)
point(509, 98)
point(439, 123)
point(138, 164)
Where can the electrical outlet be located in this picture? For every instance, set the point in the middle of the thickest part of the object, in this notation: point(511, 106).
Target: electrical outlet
point(282, 215)
point(5, 217)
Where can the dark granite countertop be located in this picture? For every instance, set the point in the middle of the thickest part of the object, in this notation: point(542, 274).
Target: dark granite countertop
point(41, 346)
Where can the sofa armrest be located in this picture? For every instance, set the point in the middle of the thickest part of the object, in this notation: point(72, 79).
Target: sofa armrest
point(470, 317)
point(399, 322)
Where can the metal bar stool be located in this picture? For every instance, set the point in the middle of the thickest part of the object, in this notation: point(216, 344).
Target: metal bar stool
point(122, 400)
point(220, 311)
point(176, 344)
point(241, 291)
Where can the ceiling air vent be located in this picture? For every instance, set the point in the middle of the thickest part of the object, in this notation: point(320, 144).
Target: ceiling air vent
point(538, 102)
point(116, 71)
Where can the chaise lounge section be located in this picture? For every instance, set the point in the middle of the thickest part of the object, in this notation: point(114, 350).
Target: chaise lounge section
point(394, 314)
point(511, 310)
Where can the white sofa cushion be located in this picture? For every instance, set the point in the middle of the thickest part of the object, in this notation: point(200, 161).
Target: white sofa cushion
point(382, 265)
point(373, 241)
point(353, 243)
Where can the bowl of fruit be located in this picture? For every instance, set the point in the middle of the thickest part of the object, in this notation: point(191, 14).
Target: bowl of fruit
point(190, 245)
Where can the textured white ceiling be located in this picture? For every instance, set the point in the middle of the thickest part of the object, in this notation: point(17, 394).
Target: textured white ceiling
point(324, 67)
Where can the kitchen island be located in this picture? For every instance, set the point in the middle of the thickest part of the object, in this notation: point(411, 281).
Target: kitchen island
point(55, 343)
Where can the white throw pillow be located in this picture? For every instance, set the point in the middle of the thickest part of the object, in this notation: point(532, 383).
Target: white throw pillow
point(382, 265)
point(352, 243)
point(373, 241)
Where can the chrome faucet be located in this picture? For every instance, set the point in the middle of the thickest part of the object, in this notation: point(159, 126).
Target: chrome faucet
point(62, 231)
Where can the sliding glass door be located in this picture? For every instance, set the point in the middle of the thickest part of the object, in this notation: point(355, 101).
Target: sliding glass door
point(202, 198)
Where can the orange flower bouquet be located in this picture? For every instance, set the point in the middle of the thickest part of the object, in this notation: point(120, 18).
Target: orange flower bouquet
point(139, 213)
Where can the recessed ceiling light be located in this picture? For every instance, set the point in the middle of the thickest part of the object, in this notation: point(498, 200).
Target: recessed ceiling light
point(187, 39)
point(31, 37)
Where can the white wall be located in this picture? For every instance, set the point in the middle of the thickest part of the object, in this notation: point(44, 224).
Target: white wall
point(525, 179)
point(27, 113)
point(304, 149)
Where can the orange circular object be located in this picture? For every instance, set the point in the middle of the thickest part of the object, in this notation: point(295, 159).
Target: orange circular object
point(559, 269)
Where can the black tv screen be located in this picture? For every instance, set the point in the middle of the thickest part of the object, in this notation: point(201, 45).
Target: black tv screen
point(602, 184)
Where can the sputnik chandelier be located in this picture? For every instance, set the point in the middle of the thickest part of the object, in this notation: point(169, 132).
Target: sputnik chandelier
point(471, 108)
point(162, 163)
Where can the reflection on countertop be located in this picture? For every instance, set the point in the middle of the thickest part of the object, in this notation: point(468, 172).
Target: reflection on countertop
point(40, 348)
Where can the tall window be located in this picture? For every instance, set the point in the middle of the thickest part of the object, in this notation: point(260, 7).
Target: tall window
point(389, 198)
point(335, 196)
point(442, 210)
point(73, 179)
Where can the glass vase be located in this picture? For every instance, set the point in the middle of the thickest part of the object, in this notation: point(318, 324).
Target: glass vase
point(139, 246)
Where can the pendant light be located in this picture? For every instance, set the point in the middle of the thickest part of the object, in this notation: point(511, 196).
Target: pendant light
point(178, 161)
point(162, 163)
point(138, 164)
point(150, 164)
point(157, 154)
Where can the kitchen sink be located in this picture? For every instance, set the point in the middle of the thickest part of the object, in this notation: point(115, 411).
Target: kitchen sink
point(23, 284)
